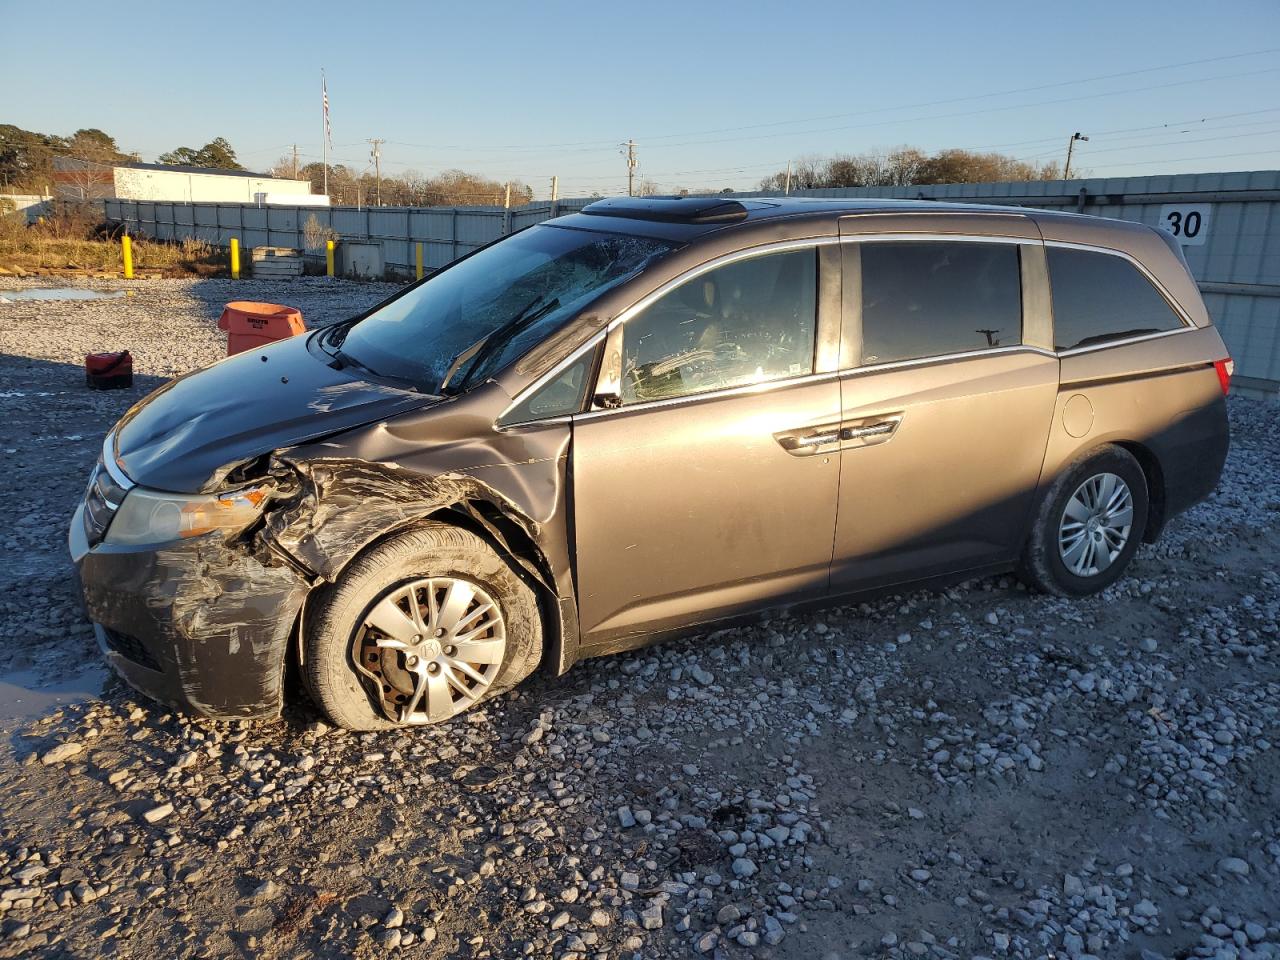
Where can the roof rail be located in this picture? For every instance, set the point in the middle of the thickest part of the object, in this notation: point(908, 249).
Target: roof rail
point(670, 210)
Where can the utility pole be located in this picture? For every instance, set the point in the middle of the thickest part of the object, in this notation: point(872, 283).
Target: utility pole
point(630, 153)
point(376, 154)
point(1066, 171)
point(295, 161)
point(786, 189)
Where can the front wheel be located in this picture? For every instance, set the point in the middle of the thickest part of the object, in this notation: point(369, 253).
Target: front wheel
point(422, 627)
point(1088, 525)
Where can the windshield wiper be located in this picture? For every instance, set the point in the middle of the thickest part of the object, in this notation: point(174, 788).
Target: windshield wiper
point(490, 343)
point(330, 341)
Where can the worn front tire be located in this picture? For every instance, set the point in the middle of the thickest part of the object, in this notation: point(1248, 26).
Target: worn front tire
point(1073, 549)
point(405, 580)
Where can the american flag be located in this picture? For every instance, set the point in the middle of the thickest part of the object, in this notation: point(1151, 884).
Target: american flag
point(324, 95)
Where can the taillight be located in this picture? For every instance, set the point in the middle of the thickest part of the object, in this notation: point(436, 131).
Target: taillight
point(1225, 368)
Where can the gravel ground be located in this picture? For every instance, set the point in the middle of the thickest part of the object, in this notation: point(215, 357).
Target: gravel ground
point(979, 772)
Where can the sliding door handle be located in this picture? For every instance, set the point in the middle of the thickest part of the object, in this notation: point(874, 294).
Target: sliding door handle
point(871, 430)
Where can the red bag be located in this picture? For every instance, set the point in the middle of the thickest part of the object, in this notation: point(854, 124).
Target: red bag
point(108, 371)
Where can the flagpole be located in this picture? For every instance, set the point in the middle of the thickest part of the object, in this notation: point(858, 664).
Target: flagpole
point(324, 131)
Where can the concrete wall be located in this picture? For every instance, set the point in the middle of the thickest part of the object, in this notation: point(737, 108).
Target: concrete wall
point(177, 185)
point(1234, 253)
point(32, 204)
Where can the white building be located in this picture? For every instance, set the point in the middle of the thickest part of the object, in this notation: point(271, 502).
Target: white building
point(84, 180)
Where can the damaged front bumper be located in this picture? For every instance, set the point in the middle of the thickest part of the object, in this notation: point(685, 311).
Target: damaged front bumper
point(196, 624)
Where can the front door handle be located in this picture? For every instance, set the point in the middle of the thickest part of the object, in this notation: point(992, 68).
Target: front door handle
point(816, 439)
point(805, 444)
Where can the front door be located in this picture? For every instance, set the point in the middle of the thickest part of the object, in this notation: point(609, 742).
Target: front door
point(710, 488)
point(946, 408)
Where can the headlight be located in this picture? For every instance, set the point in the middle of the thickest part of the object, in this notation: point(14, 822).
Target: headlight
point(149, 516)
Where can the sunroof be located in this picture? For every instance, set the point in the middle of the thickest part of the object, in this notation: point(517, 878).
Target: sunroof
point(674, 210)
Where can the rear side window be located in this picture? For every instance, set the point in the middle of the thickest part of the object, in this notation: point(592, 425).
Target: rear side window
point(1099, 297)
point(928, 298)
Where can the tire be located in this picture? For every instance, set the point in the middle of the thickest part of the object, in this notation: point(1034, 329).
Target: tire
point(1043, 564)
point(416, 571)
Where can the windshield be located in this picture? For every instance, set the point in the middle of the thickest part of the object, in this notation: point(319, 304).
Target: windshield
point(513, 293)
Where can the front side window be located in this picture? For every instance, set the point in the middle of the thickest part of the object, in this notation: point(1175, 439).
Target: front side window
point(1099, 297)
point(473, 319)
point(750, 321)
point(930, 298)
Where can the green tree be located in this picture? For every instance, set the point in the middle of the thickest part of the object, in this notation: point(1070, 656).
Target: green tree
point(26, 156)
point(93, 144)
point(216, 153)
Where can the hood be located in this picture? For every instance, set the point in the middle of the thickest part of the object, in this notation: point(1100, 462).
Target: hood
point(245, 406)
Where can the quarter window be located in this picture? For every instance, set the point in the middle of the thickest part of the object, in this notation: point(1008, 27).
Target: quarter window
point(750, 321)
point(928, 298)
point(1099, 297)
point(560, 397)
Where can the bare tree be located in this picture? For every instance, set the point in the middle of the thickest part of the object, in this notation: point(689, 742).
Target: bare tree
point(906, 166)
point(83, 179)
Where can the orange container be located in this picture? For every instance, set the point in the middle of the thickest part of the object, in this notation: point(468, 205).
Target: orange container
point(250, 325)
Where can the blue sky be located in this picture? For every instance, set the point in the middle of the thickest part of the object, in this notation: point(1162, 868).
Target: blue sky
point(715, 94)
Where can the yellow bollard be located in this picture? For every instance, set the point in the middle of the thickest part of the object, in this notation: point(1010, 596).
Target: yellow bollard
point(127, 245)
point(417, 255)
point(328, 258)
point(235, 259)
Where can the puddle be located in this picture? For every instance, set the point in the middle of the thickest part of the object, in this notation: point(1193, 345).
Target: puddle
point(22, 700)
point(58, 293)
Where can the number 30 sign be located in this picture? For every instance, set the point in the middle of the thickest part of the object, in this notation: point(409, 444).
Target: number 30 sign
point(1188, 222)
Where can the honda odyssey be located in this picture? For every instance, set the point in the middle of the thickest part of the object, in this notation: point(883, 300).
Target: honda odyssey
point(641, 420)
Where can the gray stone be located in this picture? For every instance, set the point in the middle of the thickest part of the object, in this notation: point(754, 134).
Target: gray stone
point(62, 752)
point(156, 814)
point(1234, 865)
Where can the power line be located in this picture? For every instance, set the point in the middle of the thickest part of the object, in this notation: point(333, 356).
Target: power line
point(908, 106)
point(970, 113)
point(1212, 156)
point(983, 96)
point(1167, 143)
point(1154, 126)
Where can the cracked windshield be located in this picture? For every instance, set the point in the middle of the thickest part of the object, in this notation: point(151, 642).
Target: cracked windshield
point(513, 292)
